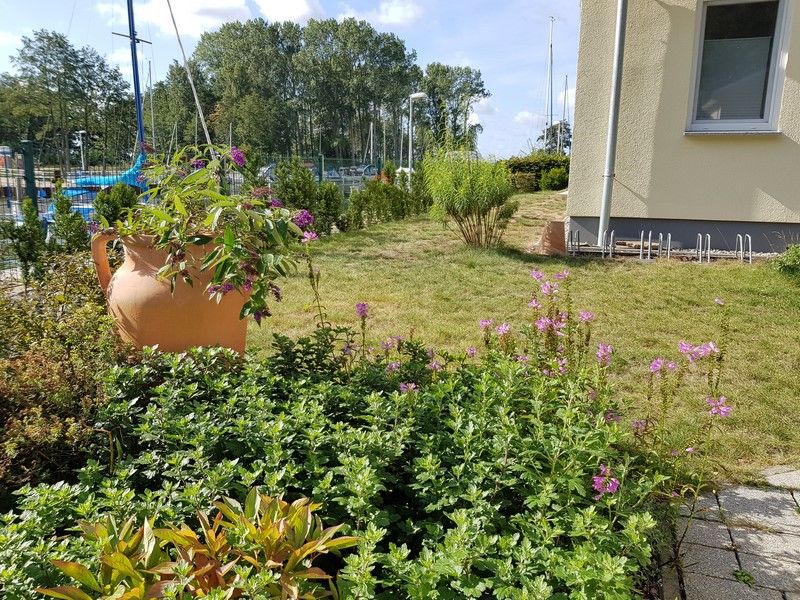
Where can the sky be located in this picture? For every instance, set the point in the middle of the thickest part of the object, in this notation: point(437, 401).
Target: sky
point(506, 39)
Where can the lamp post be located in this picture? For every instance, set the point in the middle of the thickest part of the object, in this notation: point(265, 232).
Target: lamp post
point(411, 98)
point(83, 156)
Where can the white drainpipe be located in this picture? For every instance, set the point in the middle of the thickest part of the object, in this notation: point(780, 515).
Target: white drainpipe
point(613, 120)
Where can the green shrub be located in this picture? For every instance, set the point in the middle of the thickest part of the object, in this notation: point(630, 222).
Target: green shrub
point(473, 193)
point(378, 202)
point(533, 166)
point(27, 240)
point(295, 185)
point(554, 179)
point(69, 232)
point(57, 344)
point(789, 262)
point(389, 172)
point(112, 203)
point(329, 206)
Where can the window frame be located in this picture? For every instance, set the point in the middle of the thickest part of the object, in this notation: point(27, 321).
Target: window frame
point(775, 84)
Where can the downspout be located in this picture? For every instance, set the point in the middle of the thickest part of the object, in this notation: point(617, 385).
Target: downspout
point(613, 120)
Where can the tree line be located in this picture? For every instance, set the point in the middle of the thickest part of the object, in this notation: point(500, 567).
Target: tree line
point(278, 88)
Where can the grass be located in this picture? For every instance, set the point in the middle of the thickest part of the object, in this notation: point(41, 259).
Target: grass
point(417, 276)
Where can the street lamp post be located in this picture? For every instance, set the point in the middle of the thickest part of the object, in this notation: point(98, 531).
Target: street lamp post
point(83, 156)
point(411, 98)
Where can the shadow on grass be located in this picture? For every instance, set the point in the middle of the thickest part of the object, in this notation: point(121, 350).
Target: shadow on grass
point(520, 255)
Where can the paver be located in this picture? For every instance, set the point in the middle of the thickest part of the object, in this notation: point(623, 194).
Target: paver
point(783, 477)
point(705, 560)
point(706, 533)
point(703, 587)
point(771, 510)
point(772, 572)
point(705, 508)
point(778, 545)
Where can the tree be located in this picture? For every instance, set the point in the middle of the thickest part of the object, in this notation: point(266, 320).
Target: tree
point(26, 241)
point(556, 137)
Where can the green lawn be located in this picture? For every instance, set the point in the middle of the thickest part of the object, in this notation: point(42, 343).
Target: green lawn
point(417, 275)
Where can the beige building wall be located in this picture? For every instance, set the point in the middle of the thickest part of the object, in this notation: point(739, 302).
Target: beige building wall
point(661, 173)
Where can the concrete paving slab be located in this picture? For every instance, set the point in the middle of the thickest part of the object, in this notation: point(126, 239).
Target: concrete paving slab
point(777, 545)
point(706, 508)
point(788, 479)
point(774, 573)
point(754, 508)
point(703, 587)
point(715, 562)
point(706, 533)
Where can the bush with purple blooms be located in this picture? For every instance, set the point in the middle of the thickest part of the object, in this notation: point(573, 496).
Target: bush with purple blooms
point(250, 239)
point(504, 471)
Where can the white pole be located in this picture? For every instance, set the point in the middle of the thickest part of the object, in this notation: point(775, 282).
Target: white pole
point(549, 100)
point(401, 140)
point(410, 141)
point(563, 119)
point(152, 112)
point(371, 141)
point(613, 120)
point(83, 157)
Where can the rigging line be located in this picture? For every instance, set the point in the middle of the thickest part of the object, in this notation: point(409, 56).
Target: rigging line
point(71, 15)
point(189, 75)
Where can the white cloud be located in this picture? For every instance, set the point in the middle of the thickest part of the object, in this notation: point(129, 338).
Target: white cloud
point(298, 11)
point(526, 117)
point(484, 107)
point(121, 57)
point(389, 12)
point(473, 119)
point(194, 17)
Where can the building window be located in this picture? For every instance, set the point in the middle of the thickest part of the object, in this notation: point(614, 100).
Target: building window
point(739, 74)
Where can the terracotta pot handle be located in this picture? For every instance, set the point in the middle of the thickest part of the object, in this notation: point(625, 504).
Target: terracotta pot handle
point(100, 258)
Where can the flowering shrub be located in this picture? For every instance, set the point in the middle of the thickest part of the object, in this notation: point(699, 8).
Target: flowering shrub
point(503, 471)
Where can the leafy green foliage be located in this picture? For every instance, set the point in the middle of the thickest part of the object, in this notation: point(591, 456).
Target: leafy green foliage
point(57, 344)
point(472, 193)
point(264, 549)
point(244, 242)
point(389, 172)
point(112, 203)
point(295, 185)
point(526, 171)
point(69, 232)
point(554, 179)
point(329, 204)
point(26, 240)
point(378, 202)
point(789, 262)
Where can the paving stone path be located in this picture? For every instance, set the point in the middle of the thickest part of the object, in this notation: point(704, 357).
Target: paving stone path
point(743, 543)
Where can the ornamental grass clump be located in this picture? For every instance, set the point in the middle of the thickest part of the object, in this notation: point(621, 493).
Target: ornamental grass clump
point(474, 194)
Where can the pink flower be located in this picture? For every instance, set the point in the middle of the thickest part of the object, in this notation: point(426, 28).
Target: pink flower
point(387, 345)
point(604, 483)
point(585, 316)
point(604, 352)
point(537, 275)
point(485, 324)
point(237, 156)
point(406, 388)
point(472, 351)
point(362, 309)
point(639, 426)
point(695, 353)
point(671, 366)
point(689, 450)
point(562, 275)
point(562, 366)
point(657, 365)
point(521, 358)
point(309, 236)
point(503, 329)
point(392, 367)
point(612, 416)
point(434, 366)
point(534, 304)
point(543, 323)
point(719, 406)
point(549, 289)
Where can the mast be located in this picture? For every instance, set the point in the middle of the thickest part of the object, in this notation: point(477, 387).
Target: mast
point(152, 112)
point(563, 118)
point(549, 100)
point(137, 92)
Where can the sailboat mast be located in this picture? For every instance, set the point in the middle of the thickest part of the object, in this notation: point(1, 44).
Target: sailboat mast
point(549, 101)
point(137, 91)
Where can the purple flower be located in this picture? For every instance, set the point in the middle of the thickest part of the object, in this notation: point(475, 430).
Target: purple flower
point(485, 324)
point(237, 156)
point(695, 353)
point(671, 366)
point(543, 323)
point(562, 275)
point(612, 416)
point(303, 219)
point(521, 358)
point(392, 367)
point(719, 406)
point(537, 275)
point(430, 353)
point(275, 291)
point(140, 178)
point(534, 304)
point(586, 317)
point(93, 227)
point(549, 289)
point(639, 426)
point(472, 351)
point(227, 288)
point(198, 163)
point(434, 366)
point(405, 388)
point(347, 349)
point(309, 236)
point(257, 316)
point(604, 352)
point(689, 450)
point(562, 365)
point(604, 483)
point(362, 308)
point(213, 289)
point(387, 345)
point(247, 286)
point(657, 365)
point(503, 329)
point(275, 203)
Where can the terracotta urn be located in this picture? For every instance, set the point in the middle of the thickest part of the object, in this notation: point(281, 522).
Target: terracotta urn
point(148, 313)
